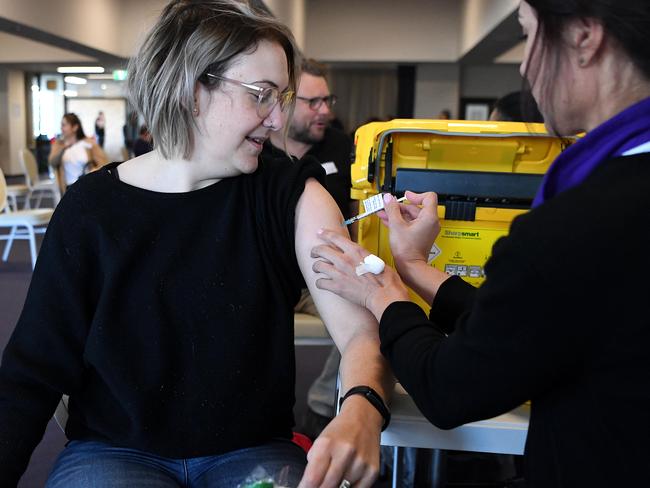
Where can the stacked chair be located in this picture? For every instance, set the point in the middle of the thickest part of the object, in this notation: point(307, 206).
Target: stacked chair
point(22, 224)
point(36, 186)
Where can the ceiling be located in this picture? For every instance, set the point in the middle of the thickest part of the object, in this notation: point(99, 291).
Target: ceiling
point(32, 49)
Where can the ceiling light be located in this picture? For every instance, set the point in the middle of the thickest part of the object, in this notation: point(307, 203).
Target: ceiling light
point(80, 69)
point(100, 77)
point(103, 86)
point(75, 80)
point(70, 93)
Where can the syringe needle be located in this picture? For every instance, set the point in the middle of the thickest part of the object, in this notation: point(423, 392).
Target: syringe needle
point(352, 220)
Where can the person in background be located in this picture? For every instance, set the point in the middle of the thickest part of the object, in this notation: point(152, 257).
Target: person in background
point(73, 154)
point(311, 135)
point(144, 143)
point(553, 322)
point(162, 300)
point(519, 106)
point(130, 130)
point(100, 128)
point(444, 115)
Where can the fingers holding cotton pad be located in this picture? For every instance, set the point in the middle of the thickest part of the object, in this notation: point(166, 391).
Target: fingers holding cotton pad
point(370, 264)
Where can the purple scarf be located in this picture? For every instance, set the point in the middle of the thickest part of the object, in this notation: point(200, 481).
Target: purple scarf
point(623, 132)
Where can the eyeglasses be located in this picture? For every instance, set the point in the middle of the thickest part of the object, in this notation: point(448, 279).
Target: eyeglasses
point(267, 97)
point(316, 102)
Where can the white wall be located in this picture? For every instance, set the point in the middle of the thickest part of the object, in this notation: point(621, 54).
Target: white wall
point(138, 16)
point(115, 113)
point(17, 118)
point(13, 121)
point(51, 105)
point(479, 17)
point(437, 88)
point(5, 160)
point(293, 14)
point(383, 30)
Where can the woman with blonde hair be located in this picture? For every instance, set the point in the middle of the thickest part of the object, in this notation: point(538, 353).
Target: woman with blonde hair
point(171, 323)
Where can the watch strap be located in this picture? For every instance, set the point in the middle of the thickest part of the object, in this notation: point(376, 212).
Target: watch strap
point(373, 397)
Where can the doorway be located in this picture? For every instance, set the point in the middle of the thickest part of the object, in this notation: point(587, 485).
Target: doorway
point(114, 110)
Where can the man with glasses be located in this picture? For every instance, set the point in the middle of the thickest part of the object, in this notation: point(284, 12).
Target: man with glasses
point(310, 134)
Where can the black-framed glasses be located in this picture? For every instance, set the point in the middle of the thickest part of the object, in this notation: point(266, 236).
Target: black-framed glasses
point(267, 97)
point(316, 102)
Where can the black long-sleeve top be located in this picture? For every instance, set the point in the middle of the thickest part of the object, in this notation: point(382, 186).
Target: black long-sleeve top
point(561, 320)
point(167, 318)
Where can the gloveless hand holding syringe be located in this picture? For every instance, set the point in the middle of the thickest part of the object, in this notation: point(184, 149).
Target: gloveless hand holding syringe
point(371, 263)
point(371, 205)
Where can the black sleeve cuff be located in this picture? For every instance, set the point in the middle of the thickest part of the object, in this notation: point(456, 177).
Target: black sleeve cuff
point(454, 297)
point(398, 319)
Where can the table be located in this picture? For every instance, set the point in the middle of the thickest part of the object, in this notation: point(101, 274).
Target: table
point(505, 434)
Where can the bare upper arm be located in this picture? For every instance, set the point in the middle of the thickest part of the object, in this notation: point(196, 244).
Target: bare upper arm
point(57, 147)
point(316, 209)
point(99, 157)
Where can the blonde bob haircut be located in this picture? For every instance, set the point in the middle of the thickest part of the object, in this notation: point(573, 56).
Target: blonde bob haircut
point(191, 38)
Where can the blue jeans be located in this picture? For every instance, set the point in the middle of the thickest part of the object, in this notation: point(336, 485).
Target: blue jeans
point(91, 464)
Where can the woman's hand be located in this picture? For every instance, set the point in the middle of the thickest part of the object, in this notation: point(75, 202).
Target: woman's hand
point(347, 449)
point(413, 226)
point(337, 260)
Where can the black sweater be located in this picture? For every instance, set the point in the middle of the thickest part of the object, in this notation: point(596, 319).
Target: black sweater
point(167, 318)
point(335, 149)
point(560, 320)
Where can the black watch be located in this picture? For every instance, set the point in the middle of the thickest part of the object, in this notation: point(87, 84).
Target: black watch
point(373, 397)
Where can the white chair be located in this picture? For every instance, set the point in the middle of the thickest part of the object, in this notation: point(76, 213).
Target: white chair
point(14, 192)
point(37, 186)
point(24, 224)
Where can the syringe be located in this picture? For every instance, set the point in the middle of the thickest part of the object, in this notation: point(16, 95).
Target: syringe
point(372, 205)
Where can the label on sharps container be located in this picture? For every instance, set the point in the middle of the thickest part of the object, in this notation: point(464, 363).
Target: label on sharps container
point(463, 251)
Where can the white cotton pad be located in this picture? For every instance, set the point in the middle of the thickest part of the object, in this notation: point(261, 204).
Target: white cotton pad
point(374, 264)
point(371, 264)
